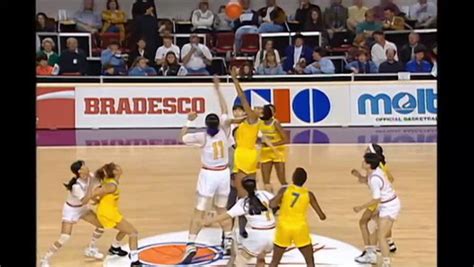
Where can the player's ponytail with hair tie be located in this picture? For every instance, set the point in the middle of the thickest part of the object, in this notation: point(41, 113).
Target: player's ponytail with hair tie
point(255, 206)
point(75, 167)
point(71, 182)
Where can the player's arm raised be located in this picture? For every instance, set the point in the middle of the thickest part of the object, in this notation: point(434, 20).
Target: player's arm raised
point(222, 104)
point(191, 117)
point(251, 115)
point(283, 135)
point(276, 201)
point(314, 203)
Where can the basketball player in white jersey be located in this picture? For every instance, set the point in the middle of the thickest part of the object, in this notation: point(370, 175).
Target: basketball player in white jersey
point(260, 225)
point(384, 195)
point(213, 184)
point(75, 208)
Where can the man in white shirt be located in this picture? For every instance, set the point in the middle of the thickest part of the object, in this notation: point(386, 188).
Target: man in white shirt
point(196, 56)
point(202, 18)
point(425, 13)
point(165, 48)
point(379, 49)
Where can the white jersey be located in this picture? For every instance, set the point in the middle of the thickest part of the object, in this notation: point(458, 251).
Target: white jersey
point(380, 186)
point(78, 191)
point(264, 220)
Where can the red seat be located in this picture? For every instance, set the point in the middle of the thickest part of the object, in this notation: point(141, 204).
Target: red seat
point(250, 43)
point(224, 42)
point(238, 62)
point(107, 37)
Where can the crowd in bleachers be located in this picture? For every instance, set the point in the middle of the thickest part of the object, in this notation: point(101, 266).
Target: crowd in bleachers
point(144, 45)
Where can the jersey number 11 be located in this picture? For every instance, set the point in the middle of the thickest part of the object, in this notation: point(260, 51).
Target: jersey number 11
point(218, 148)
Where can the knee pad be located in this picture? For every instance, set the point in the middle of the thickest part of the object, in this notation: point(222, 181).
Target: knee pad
point(221, 201)
point(63, 238)
point(204, 203)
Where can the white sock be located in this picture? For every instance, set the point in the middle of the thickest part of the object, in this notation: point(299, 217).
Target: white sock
point(53, 249)
point(133, 255)
point(115, 243)
point(228, 234)
point(192, 238)
point(390, 240)
point(95, 236)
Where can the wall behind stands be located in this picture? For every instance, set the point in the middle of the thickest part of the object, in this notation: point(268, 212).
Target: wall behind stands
point(394, 103)
point(168, 8)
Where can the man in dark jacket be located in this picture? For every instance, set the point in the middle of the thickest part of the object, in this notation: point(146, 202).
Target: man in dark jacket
point(391, 65)
point(72, 60)
point(296, 53)
point(303, 11)
point(407, 52)
point(146, 27)
point(140, 6)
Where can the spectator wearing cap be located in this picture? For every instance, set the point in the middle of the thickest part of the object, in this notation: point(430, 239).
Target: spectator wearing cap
point(114, 19)
point(222, 22)
point(272, 16)
point(171, 67)
point(392, 22)
point(72, 60)
point(47, 46)
point(391, 65)
point(362, 64)
point(335, 17)
point(303, 11)
point(112, 60)
point(196, 57)
point(165, 48)
point(424, 13)
point(42, 67)
point(407, 52)
point(141, 50)
point(270, 66)
point(202, 18)
point(43, 23)
point(140, 7)
point(140, 68)
point(356, 14)
point(380, 47)
point(297, 52)
point(369, 25)
point(245, 24)
point(419, 64)
point(321, 63)
point(86, 19)
point(380, 8)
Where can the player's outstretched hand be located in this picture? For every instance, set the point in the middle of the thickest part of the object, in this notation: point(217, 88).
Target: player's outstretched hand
point(322, 217)
point(357, 209)
point(192, 116)
point(356, 173)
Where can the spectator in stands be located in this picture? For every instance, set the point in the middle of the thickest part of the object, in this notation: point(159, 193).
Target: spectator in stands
point(434, 56)
point(246, 23)
point(379, 9)
point(362, 64)
point(380, 47)
point(86, 19)
point(303, 12)
point(424, 13)
point(315, 23)
point(392, 22)
point(140, 68)
point(140, 7)
point(171, 67)
point(202, 18)
point(141, 51)
point(72, 60)
point(391, 65)
point(294, 53)
point(321, 64)
point(419, 64)
point(359, 43)
point(43, 23)
point(221, 22)
point(114, 19)
point(407, 52)
point(112, 60)
point(196, 56)
point(273, 18)
point(165, 48)
point(356, 14)
point(246, 71)
point(42, 68)
point(146, 27)
point(335, 17)
point(48, 45)
point(38, 43)
point(261, 53)
point(370, 25)
point(270, 65)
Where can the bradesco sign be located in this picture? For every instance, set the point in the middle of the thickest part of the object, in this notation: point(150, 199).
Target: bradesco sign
point(402, 104)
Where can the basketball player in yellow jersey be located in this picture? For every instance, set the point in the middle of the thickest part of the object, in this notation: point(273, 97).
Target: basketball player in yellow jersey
point(108, 212)
point(292, 226)
point(272, 129)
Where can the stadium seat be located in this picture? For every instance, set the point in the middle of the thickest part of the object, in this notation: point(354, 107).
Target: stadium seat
point(250, 43)
point(224, 42)
point(107, 37)
point(239, 61)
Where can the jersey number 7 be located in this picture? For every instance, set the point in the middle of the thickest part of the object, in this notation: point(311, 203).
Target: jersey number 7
point(296, 195)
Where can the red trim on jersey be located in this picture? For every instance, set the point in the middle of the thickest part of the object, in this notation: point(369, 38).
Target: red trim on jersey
point(386, 201)
point(74, 206)
point(217, 168)
point(264, 228)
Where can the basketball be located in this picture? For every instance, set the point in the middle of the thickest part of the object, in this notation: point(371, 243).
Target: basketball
point(233, 10)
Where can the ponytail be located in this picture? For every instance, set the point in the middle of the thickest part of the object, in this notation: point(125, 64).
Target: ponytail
point(377, 149)
point(255, 206)
point(106, 171)
point(75, 167)
point(71, 182)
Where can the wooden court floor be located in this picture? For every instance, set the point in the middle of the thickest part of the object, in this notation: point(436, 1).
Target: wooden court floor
point(157, 194)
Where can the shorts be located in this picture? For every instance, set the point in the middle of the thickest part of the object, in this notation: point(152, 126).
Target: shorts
point(390, 209)
point(74, 214)
point(268, 155)
point(288, 233)
point(257, 242)
point(245, 160)
point(213, 183)
point(109, 219)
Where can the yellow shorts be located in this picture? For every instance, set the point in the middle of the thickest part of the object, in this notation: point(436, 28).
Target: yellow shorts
point(245, 160)
point(267, 154)
point(288, 233)
point(109, 219)
point(373, 207)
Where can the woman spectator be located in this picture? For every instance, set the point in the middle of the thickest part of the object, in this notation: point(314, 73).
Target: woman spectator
point(43, 23)
point(362, 64)
point(47, 49)
point(261, 54)
point(246, 71)
point(171, 67)
point(202, 18)
point(42, 68)
point(359, 43)
point(221, 22)
point(270, 65)
point(140, 68)
point(314, 23)
point(114, 19)
point(141, 51)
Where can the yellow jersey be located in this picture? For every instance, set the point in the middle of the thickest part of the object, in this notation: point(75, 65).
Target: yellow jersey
point(294, 205)
point(270, 131)
point(108, 212)
point(247, 134)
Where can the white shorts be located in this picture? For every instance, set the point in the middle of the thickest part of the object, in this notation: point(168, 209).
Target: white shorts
point(258, 241)
point(74, 214)
point(390, 209)
point(213, 183)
